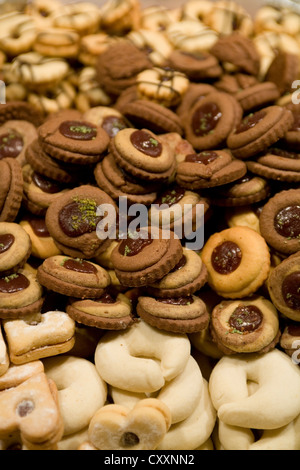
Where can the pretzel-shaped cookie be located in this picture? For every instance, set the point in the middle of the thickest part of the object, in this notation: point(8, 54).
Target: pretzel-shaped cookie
point(128, 360)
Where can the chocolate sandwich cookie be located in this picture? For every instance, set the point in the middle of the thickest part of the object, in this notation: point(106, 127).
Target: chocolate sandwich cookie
point(73, 277)
point(141, 259)
point(179, 209)
point(249, 189)
point(245, 326)
point(15, 248)
point(188, 276)
point(239, 51)
point(178, 315)
point(283, 286)
point(42, 244)
point(290, 340)
point(108, 312)
point(11, 189)
point(280, 222)
point(72, 221)
point(257, 96)
point(110, 119)
point(112, 179)
point(141, 154)
point(283, 71)
point(118, 66)
point(15, 136)
point(194, 93)
point(258, 131)
point(211, 120)
point(145, 114)
point(40, 191)
point(291, 138)
point(73, 141)
point(196, 66)
point(20, 111)
point(20, 295)
point(238, 262)
point(209, 169)
point(232, 83)
point(277, 163)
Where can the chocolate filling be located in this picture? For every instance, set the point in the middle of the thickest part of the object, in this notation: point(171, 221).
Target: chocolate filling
point(291, 290)
point(179, 301)
point(106, 299)
point(78, 218)
point(246, 318)
point(78, 130)
point(39, 227)
point(132, 246)
point(293, 330)
point(171, 197)
point(13, 283)
point(80, 266)
point(287, 222)
point(205, 119)
point(205, 157)
point(25, 408)
point(11, 145)
point(250, 121)
point(179, 265)
point(6, 241)
point(46, 185)
point(113, 124)
point(226, 257)
point(146, 143)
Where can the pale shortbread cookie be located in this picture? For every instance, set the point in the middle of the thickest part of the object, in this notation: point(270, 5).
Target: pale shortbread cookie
point(82, 17)
point(81, 391)
point(269, 403)
point(39, 335)
point(191, 36)
point(15, 246)
point(141, 359)
point(4, 358)
point(17, 33)
point(155, 42)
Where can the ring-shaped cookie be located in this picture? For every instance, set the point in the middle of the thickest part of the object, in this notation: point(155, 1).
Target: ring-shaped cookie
point(141, 359)
point(270, 404)
point(237, 260)
point(15, 247)
point(81, 391)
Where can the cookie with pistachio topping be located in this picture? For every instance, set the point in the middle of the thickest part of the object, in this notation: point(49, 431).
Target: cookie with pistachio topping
point(73, 223)
point(73, 277)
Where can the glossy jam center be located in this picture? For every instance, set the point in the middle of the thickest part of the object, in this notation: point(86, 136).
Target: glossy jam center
point(13, 283)
point(79, 217)
point(291, 290)
point(146, 143)
point(178, 301)
point(6, 241)
point(287, 222)
point(226, 257)
point(133, 246)
point(246, 318)
point(205, 157)
point(11, 145)
point(112, 125)
point(250, 121)
point(171, 197)
point(78, 130)
point(46, 185)
point(205, 119)
point(80, 266)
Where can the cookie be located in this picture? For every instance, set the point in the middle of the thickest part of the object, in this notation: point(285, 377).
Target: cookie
point(256, 132)
point(277, 163)
point(141, 154)
point(209, 169)
point(191, 36)
point(250, 189)
point(211, 120)
point(283, 71)
point(283, 287)
point(15, 248)
point(73, 277)
point(20, 294)
point(60, 97)
point(28, 339)
point(291, 138)
point(194, 93)
point(84, 18)
point(12, 189)
point(42, 244)
point(93, 45)
point(245, 326)
point(57, 43)
point(21, 111)
point(72, 221)
point(228, 17)
point(118, 20)
point(237, 260)
point(110, 119)
point(154, 43)
point(238, 51)
point(234, 82)
point(188, 277)
point(107, 312)
point(178, 315)
point(145, 114)
point(257, 96)
point(15, 136)
point(163, 85)
point(150, 258)
point(289, 340)
point(117, 183)
point(4, 358)
point(118, 66)
point(158, 17)
point(279, 222)
point(196, 67)
point(18, 33)
point(73, 142)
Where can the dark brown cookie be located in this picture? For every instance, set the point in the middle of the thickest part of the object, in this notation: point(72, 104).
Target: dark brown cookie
point(256, 132)
point(209, 169)
point(280, 221)
point(13, 193)
point(290, 340)
point(277, 164)
point(211, 120)
point(196, 66)
point(21, 111)
point(15, 136)
point(194, 93)
point(257, 96)
point(283, 71)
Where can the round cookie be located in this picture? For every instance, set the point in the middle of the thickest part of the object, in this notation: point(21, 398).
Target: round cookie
point(191, 36)
point(290, 341)
point(237, 260)
point(110, 119)
point(15, 248)
point(279, 222)
point(196, 66)
point(283, 71)
point(256, 132)
point(21, 111)
point(73, 223)
point(119, 19)
point(42, 244)
point(58, 43)
point(152, 255)
point(209, 169)
point(82, 17)
point(15, 136)
point(283, 287)
point(11, 189)
point(194, 93)
point(245, 326)
point(107, 312)
point(178, 315)
point(154, 43)
point(227, 17)
point(73, 277)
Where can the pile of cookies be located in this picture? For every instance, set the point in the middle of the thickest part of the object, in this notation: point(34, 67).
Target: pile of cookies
point(114, 336)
